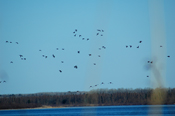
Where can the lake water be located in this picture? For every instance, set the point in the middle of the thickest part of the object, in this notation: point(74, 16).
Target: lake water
point(136, 110)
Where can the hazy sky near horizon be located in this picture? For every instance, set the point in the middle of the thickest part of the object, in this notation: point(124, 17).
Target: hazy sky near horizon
point(47, 25)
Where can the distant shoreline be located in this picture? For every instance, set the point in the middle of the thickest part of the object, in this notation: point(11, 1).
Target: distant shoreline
point(102, 97)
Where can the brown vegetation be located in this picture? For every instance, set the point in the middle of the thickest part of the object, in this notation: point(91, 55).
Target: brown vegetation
point(98, 97)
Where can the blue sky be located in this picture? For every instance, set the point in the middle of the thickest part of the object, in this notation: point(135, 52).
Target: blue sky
point(48, 25)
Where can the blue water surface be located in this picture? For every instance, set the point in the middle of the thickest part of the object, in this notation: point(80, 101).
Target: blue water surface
point(132, 110)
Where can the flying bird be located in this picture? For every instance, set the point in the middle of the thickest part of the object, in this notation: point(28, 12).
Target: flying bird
point(168, 56)
point(110, 83)
point(62, 61)
point(24, 58)
point(21, 58)
point(82, 38)
point(104, 47)
point(62, 48)
point(130, 46)
point(98, 55)
point(79, 35)
point(16, 42)
point(87, 39)
point(11, 62)
point(20, 55)
point(140, 41)
point(4, 81)
point(56, 48)
point(39, 50)
point(148, 61)
point(75, 35)
point(98, 30)
point(74, 32)
point(45, 56)
point(75, 29)
point(60, 71)
point(151, 62)
point(78, 51)
point(102, 30)
point(99, 48)
point(102, 83)
point(101, 34)
point(53, 56)
point(147, 76)
point(94, 63)
point(10, 42)
point(137, 46)
point(97, 33)
point(75, 66)
point(6, 41)
point(160, 46)
point(89, 54)
point(126, 46)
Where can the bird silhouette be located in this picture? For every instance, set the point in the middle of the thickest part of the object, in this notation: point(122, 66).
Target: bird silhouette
point(160, 46)
point(20, 55)
point(151, 62)
point(11, 62)
point(75, 66)
point(104, 47)
point(56, 48)
point(24, 58)
point(130, 46)
point(82, 38)
point(4, 81)
point(53, 55)
point(89, 54)
point(94, 63)
point(21, 58)
point(10, 42)
point(62, 48)
point(97, 33)
point(126, 46)
point(90, 86)
point(148, 61)
point(6, 41)
point(60, 71)
point(78, 51)
point(110, 83)
point(62, 61)
point(99, 48)
point(98, 30)
point(45, 56)
point(76, 30)
point(79, 35)
point(147, 76)
point(99, 56)
point(101, 34)
point(102, 30)
point(16, 42)
point(75, 35)
point(87, 39)
point(140, 41)
point(168, 56)
point(102, 83)
point(137, 46)
point(39, 50)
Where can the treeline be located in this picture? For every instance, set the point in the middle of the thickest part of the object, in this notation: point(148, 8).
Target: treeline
point(98, 97)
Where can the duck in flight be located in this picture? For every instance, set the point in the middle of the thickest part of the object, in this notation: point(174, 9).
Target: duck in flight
point(75, 66)
point(53, 55)
point(140, 41)
point(60, 71)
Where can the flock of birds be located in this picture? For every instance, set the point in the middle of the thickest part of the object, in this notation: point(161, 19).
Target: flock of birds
point(100, 32)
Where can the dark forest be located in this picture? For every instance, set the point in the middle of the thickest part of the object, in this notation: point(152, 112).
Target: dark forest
point(99, 97)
